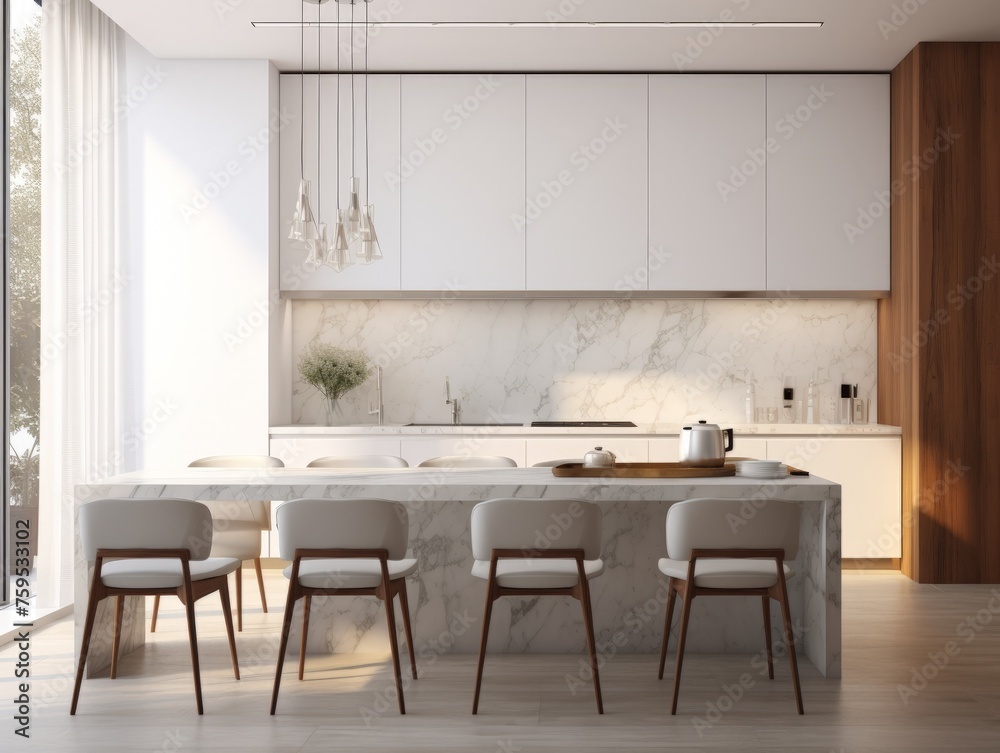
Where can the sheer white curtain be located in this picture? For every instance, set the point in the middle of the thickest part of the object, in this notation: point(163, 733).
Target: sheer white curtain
point(82, 85)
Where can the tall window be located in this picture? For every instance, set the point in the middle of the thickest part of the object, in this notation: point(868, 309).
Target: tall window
point(23, 249)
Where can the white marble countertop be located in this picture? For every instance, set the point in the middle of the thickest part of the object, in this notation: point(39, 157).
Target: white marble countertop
point(642, 430)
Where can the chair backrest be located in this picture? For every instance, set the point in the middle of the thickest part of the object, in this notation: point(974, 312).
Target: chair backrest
point(469, 461)
point(161, 523)
point(511, 523)
point(732, 524)
point(343, 524)
point(237, 461)
point(554, 463)
point(360, 461)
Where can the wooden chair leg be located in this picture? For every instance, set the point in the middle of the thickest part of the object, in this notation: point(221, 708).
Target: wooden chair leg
point(227, 615)
point(404, 606)
point(156, 612)
point(88, 628)
point(260, 583)
point(681, 640)
point(766, 601)
point(286, 628)
point(671, 598)
point(588, 622)
point(390, 616)
point(239, 598)
point(117, 641)
point(305, 636)
point(487, 613)
point(786, 614)
point(188, 599)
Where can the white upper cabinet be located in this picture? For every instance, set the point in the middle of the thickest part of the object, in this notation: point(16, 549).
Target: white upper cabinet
point(462, 180)
point(383, 161)
point(828, 182)
point(707, 182)
point(587, 158)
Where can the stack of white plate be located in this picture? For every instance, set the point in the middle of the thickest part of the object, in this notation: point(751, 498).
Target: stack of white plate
point(761, 469)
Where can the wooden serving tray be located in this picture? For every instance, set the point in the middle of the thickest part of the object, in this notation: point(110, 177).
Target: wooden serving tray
point(642, 470)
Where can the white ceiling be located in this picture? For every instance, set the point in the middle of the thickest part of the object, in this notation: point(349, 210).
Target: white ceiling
point(851, 39)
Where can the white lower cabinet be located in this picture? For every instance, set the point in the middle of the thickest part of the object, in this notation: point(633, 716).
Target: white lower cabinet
point(416, 450)
point(574, 448)
point(298, 452)
point(869, 472)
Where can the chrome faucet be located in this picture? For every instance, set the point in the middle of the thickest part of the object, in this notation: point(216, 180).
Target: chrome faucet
point(456, 406)
point(380, 409)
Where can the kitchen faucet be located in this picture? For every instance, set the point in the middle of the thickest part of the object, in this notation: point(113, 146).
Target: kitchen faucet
point(456, 406)
point(380, 410)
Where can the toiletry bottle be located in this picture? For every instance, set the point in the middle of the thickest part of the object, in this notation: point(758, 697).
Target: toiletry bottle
point(846, 408)
point(859, 413)
point(750, 401)
point(788, 396)
point(811, 402)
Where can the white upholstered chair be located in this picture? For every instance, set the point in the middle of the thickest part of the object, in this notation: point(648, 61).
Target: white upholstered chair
point(554, 463)
point(151, 547)
point(725, 547)
point(510, 558)
point(345, 547)
point(238, 525)
point(469, 461)
point(360, 461)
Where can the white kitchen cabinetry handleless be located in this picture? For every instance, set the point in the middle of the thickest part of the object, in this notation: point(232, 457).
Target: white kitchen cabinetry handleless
point(869, 472)
point(298, 452)
point(462, 180)
point(383, 156)
point(828, 182)
point(415, 451)
point(574, 448)
point(587, 158)
point(707, 182)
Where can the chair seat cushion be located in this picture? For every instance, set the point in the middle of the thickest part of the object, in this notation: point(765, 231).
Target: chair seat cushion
point(726, 573)
point(349, 573)
point(162, 573)
point(537, 573)
point(236, 538)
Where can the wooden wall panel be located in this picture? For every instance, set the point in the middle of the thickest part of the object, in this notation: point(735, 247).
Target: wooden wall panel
point(945, 309)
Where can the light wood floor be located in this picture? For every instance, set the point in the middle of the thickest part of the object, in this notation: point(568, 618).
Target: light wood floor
point(891, 626)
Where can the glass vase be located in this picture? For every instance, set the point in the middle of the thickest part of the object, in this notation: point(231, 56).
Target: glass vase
point(333, 411)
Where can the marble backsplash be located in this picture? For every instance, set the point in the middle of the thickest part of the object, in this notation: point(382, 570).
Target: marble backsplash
point(648, 361)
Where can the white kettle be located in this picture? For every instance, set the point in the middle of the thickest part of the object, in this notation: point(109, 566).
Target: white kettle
point(704, 445)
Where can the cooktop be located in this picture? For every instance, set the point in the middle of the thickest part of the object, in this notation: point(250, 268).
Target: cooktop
point(584, 424)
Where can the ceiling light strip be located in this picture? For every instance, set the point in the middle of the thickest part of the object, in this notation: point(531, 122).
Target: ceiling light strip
point(552, 25)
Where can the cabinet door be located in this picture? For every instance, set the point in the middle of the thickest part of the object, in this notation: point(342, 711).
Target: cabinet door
point(868, 470)
point(585, 217)
point(417, 450)
point(383, 160)
point(828, 182)
point(462, 180)
point(574, 447)
point(707, 182)
point(298, 452)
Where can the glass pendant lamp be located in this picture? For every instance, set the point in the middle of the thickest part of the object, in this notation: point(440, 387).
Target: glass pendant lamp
point(370, 250)
point(353, 223)
point(303, 222)
point(339, 256)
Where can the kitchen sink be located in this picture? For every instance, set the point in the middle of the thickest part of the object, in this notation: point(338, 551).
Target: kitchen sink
point(473, 424)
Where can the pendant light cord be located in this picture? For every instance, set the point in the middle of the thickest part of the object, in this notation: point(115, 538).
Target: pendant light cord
point(338, 108)
point(367, 164)
point(302, 90)
point(319, 109)
point(353, 118)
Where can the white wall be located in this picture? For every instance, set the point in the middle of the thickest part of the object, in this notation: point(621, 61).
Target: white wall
point(201, 166)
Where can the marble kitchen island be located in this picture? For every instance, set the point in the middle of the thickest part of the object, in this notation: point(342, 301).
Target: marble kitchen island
point(447, 602)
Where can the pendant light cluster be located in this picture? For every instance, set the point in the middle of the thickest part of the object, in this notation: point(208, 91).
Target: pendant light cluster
point(354, 237)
